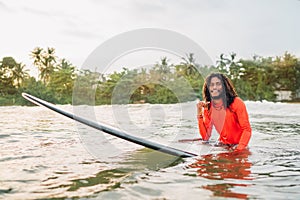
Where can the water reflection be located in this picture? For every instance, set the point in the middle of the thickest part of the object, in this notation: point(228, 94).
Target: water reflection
point(228, 166)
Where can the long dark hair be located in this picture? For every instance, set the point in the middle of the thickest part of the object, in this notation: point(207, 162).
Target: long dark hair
point(228, 88)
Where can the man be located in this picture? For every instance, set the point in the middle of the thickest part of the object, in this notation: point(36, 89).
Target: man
point(223, 109)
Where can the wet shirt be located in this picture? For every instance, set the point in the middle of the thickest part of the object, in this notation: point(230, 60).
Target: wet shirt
point(232, 124)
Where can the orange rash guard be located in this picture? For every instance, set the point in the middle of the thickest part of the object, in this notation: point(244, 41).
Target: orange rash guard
point(232, 125)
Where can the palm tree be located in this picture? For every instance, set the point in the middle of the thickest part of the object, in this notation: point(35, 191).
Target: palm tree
point(44, 60)
point(230, 66)
point(222, 64)
point(189, 64)
point(163, 68)
point(19, 74)
point(36, 54)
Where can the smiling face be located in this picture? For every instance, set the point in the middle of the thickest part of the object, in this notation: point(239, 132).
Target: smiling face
point(216, 88)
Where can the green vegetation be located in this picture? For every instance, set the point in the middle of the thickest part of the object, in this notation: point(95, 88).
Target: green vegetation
point(259, 78)
point(165, 82)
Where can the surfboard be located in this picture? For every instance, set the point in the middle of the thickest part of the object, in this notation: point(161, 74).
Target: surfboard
point(110, 130)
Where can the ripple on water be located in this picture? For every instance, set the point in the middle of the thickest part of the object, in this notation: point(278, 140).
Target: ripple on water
point(42, 157)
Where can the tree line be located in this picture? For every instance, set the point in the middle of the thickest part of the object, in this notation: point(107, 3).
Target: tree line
point(165, 82)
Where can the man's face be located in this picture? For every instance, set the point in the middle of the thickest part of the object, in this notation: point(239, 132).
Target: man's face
point(215, 88)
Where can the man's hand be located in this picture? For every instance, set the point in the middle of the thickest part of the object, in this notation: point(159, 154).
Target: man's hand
point(200, 106)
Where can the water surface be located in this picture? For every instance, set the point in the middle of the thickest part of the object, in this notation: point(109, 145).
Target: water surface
point(44, 155)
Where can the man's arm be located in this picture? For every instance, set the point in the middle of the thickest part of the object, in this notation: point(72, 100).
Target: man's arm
point(204, 125)
point(243, 119)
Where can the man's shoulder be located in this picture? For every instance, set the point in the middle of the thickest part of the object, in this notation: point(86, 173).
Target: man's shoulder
point(238, 99)
point(237, 102)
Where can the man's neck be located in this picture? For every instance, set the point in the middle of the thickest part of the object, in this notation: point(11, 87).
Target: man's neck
point(217, 101)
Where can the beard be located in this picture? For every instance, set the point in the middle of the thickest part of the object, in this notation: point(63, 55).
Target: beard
point(221, 95)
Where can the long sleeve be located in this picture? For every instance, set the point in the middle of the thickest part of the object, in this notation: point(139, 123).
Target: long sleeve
point(243, 119)
point(205, 126)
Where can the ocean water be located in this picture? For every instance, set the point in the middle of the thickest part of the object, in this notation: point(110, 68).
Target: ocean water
point(46, 156)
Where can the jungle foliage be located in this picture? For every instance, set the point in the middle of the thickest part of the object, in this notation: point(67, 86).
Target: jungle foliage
point(59, 80)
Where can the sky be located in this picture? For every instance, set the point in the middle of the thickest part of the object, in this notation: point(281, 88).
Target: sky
point(76, 27)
